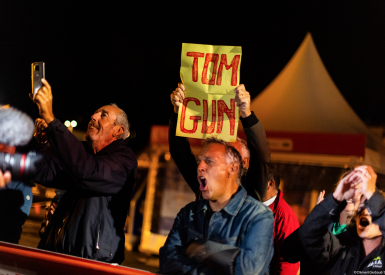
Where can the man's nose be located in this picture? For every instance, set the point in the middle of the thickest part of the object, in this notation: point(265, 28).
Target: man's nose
point(202, 166)
point(95, 116)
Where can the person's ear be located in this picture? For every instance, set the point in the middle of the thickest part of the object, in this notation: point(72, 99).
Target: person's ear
point(119, 131)
point(270, 184)
point(245, 162)
point(233, 169)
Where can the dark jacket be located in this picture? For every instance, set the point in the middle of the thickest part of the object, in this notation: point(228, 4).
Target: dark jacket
point(331, 253)
point(255, 182)
point(235, 240)
point(90, 217)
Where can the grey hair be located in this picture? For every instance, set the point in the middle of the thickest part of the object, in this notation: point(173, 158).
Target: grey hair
point(121, 119)
point(232, 154)
point(245, 150)
point(16, 128)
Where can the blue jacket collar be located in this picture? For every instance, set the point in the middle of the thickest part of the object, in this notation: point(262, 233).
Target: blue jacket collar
point(234, 205)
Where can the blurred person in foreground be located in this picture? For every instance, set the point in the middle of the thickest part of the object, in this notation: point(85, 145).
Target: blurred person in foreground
point(16, 129)
point(260, 177)
point(227, 232)
point(98, 176)
point(365, 249)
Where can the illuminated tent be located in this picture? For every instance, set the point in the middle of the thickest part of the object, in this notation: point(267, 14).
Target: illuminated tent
point(303, 105)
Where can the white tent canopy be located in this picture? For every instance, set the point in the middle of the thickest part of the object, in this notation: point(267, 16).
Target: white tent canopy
point(304, 98)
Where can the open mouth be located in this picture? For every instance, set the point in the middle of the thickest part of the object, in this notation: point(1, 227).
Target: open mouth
point(203, 182)
point(349, 201)
point(364, 222)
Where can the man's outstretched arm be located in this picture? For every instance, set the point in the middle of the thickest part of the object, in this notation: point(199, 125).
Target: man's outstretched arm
point(259, 165)
point(180, 147)
point(73, 160)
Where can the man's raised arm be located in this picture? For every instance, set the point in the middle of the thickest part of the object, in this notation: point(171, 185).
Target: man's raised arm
point(73, 159)
point(257, 174)
point(180, 147)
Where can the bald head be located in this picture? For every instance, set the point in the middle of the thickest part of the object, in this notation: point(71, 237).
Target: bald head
point(241, 146)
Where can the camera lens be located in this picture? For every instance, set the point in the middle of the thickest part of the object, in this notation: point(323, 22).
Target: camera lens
point(37, 68)
point(22, 166)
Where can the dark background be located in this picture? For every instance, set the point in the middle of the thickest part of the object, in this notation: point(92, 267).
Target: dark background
point(129, 53)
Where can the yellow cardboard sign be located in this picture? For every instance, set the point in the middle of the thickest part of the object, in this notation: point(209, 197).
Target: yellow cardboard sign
point(210, 74)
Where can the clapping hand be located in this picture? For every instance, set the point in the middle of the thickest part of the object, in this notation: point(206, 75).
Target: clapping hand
point(361, 180)
point(368, 178)
point(348, 187)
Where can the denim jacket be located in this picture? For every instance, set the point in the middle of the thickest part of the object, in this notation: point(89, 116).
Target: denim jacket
point(239, 236)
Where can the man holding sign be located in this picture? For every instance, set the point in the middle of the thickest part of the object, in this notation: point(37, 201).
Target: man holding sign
point(228, 232)
point(257, 159)
point(227, 75)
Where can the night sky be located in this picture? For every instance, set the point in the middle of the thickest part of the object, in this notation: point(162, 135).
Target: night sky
point(129, 53)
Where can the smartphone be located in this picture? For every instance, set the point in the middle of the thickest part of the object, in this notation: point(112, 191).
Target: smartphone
point(37, 73)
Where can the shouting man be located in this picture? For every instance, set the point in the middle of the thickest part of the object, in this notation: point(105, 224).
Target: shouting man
point(228, 232)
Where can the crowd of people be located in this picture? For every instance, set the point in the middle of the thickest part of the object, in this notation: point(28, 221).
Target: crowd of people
point(238, 224)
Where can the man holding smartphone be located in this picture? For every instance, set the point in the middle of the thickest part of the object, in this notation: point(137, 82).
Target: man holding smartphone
point(98, 176)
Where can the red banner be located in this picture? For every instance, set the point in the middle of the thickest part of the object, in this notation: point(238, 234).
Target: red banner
point(309, 143)
point(315, 143)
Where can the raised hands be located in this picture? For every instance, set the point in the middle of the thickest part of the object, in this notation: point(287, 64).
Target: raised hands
point(242, 100)
point(361, 180)
point(369, 178)
point(348, 187)
point(43, 100)
point(40, 126)
point(177, 97)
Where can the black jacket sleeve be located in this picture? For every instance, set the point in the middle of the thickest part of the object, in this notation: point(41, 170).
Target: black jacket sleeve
point(50, 171)
point(74, 167)
point(181, 153)
point(319, 243)
point(257, 174)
